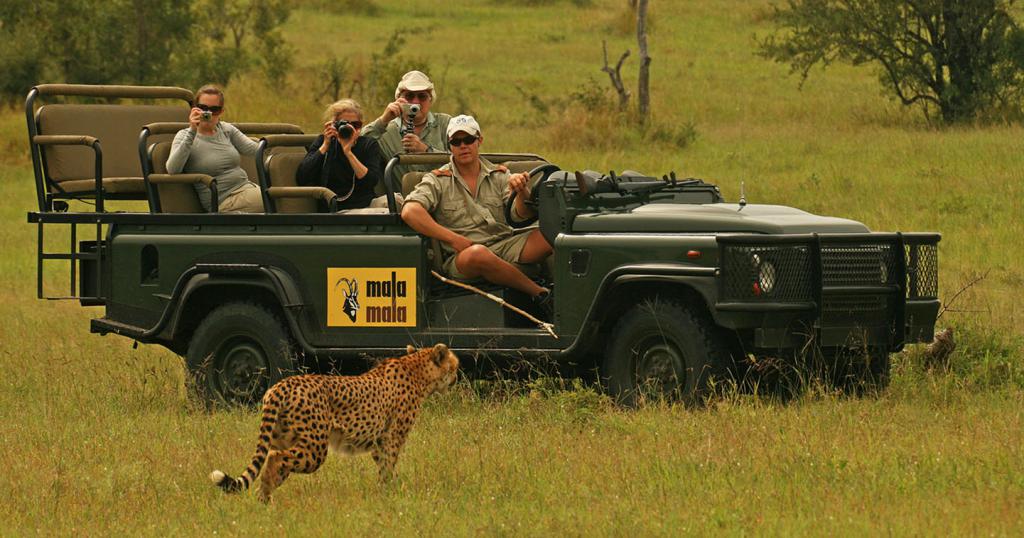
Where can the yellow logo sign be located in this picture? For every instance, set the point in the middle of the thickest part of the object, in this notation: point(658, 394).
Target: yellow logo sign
point(371, 296)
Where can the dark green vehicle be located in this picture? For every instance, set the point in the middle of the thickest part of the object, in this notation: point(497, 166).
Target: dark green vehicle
point(659, 283)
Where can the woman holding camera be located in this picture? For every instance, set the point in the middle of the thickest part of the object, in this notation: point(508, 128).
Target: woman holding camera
point(343, 161)
point(213, 147)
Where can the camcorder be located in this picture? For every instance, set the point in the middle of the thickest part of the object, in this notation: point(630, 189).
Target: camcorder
point(409, 125)
point(345, 130)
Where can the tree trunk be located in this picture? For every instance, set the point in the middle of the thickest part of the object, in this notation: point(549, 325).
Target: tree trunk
point(643, 91)
point(958, 101)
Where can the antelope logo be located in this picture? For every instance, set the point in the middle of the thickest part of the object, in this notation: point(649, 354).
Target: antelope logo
point(351, 305)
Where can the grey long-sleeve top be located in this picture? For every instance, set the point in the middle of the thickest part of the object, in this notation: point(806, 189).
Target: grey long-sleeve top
point(217, 155)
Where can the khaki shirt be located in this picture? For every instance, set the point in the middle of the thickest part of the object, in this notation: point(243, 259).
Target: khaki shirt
point(389, 137)
point(445, 195)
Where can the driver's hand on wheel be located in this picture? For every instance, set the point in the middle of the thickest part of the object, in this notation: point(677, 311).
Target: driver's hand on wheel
point(517, 183)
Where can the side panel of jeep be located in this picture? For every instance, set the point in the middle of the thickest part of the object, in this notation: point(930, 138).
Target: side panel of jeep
point(324, 262)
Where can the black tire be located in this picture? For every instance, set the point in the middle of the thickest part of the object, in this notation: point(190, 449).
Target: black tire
point(238, 352)
point(858, 371)
point(660, 349)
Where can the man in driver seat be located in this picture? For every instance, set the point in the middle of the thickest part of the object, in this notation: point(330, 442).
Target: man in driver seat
point(462, 205)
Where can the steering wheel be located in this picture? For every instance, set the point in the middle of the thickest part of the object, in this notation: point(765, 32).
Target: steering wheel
point(547, 169)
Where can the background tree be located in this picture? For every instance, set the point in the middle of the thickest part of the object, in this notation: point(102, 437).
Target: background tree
point(959, 56)
point(137, 42)
point(638, 9)
point(644, 78)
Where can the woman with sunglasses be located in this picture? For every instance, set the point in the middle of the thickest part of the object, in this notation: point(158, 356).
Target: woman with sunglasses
point(343, 161)
point(214, 147)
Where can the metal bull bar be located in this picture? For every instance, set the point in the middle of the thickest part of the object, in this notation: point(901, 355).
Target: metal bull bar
point(838, 280)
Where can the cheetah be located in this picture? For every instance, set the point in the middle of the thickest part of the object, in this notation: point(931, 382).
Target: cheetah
point(305, 415)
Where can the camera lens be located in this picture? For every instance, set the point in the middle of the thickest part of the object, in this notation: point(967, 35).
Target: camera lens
point(345, 131)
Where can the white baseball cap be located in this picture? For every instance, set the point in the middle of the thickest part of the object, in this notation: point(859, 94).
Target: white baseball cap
point(414, 81)
point(465, 124)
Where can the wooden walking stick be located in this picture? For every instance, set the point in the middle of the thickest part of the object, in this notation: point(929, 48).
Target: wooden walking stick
point(546, 326)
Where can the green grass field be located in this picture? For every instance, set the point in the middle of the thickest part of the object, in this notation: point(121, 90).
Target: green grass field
point(103, 439)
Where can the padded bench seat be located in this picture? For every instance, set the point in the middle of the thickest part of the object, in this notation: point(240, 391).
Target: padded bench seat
point(90, 151)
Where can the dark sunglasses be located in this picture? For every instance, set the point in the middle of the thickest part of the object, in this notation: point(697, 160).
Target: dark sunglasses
point(464, 141)
point(216, 109)
point(355, 124)
point(416, 96)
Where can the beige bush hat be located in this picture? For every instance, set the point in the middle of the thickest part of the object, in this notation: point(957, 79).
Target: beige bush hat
point(415, 81)
point(464, 123)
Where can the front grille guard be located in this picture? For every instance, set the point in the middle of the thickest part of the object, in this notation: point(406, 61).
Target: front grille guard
point(834, 275)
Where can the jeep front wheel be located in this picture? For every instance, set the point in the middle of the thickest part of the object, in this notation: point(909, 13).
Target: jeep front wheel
point(661, 349)
point(238, 352)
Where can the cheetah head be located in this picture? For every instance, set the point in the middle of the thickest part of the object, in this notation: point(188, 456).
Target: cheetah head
point(440, 366)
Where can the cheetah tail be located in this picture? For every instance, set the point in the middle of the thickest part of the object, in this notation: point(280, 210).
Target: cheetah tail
point(242, 483)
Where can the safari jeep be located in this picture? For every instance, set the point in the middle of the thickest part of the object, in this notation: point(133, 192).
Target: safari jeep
point(658, 282)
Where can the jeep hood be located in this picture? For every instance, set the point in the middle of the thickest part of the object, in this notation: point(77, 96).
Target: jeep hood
point(712, 218)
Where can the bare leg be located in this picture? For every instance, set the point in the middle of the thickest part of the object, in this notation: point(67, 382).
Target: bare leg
point(535, 249)
point(477, 261)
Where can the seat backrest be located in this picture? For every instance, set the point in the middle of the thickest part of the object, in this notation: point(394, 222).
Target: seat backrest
point(117, 128)
point(281, 169)
point(248, 164)
point(410, 180)
point(175, 197)
point(158, 155)
point(255, 131)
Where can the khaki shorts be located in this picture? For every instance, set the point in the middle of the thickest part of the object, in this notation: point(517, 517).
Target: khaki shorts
point(507, 249)
point(245, 199)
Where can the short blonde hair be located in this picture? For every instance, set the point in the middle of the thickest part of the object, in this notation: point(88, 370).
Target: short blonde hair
point(345, 105)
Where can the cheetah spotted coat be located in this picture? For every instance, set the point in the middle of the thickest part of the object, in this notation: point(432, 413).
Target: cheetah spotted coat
point(304, 415)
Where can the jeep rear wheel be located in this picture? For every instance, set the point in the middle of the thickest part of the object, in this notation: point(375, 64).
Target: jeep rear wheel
point(660, 349)
point(238, 352)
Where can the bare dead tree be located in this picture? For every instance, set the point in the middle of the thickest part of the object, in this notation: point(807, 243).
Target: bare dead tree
point(616, 75)
point(948, 304)
point(644, 82)
point(331, 73)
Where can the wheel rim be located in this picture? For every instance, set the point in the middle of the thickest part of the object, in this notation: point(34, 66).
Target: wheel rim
point(659, 366)
point(240, 375)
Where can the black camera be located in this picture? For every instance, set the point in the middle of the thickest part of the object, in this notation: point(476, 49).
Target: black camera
point(345, 130)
